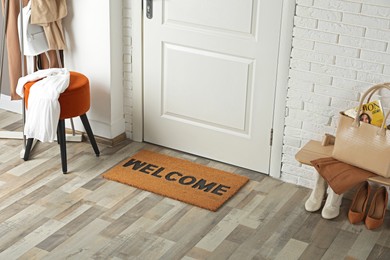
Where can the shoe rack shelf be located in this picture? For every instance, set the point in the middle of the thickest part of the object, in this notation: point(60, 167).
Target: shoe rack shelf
point(315, 150)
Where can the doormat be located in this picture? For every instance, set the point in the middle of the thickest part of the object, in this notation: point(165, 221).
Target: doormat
point(178, 179)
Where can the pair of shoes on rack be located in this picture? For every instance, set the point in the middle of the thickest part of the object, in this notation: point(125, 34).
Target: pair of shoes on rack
point(331, 208)
point(376, 212)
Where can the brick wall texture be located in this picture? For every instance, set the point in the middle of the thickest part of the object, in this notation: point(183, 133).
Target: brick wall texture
point(127, 68)
point(340, 48)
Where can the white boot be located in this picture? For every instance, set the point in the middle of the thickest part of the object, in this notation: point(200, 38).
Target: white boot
point(317, 195)
point(332, 205)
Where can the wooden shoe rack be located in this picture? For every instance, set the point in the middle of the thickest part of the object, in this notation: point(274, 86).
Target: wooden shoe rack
point(315, 150)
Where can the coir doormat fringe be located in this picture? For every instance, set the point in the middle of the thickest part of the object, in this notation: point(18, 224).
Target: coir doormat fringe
point(178, 179)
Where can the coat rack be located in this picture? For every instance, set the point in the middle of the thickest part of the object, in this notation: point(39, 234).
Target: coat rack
point(20, 135)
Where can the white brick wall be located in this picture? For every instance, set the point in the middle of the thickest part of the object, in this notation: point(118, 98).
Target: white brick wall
point(127, 68)
point(340, 47)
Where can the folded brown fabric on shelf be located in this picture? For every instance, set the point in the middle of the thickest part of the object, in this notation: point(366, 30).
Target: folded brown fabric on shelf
point(340, 176)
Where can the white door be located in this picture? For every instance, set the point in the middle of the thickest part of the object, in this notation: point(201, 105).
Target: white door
point(210, 77)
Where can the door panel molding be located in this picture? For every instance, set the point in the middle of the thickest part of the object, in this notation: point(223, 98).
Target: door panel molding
point(182, 12)
point(177, 81)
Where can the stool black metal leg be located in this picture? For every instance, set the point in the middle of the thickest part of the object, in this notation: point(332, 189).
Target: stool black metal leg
point(58, 135)
point(84, 120)
point(28, 148)
point(62, 141)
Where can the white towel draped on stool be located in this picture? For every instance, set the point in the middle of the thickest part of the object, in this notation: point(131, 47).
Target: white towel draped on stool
point(43, 110)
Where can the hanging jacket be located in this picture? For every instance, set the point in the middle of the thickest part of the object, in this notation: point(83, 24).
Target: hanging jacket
point(13, 46)
point(13, 49)
point(43, 110)
point(49, 14)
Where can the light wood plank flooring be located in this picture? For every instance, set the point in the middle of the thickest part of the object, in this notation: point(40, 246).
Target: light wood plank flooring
point(45, 214)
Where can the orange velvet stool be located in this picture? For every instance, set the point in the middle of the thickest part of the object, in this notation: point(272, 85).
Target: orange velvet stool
point(74, 101)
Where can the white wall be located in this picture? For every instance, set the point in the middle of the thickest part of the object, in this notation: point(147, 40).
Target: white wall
point(339, 49)
point(94, 39)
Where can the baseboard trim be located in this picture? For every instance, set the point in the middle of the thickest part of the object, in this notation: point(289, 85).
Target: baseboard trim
point(102, 140)
point(111, 142)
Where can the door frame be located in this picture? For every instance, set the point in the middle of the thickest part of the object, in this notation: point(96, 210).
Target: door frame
point(285, 46)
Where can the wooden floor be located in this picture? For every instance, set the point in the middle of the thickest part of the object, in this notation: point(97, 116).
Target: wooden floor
point(47, 215)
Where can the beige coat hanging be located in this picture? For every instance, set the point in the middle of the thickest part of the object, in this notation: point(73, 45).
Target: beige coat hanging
point(49, 14)
point(55, 31)
point(12, 40)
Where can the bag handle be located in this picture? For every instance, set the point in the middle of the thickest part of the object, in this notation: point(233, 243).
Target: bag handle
point(371, 92)
point(386, 117)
